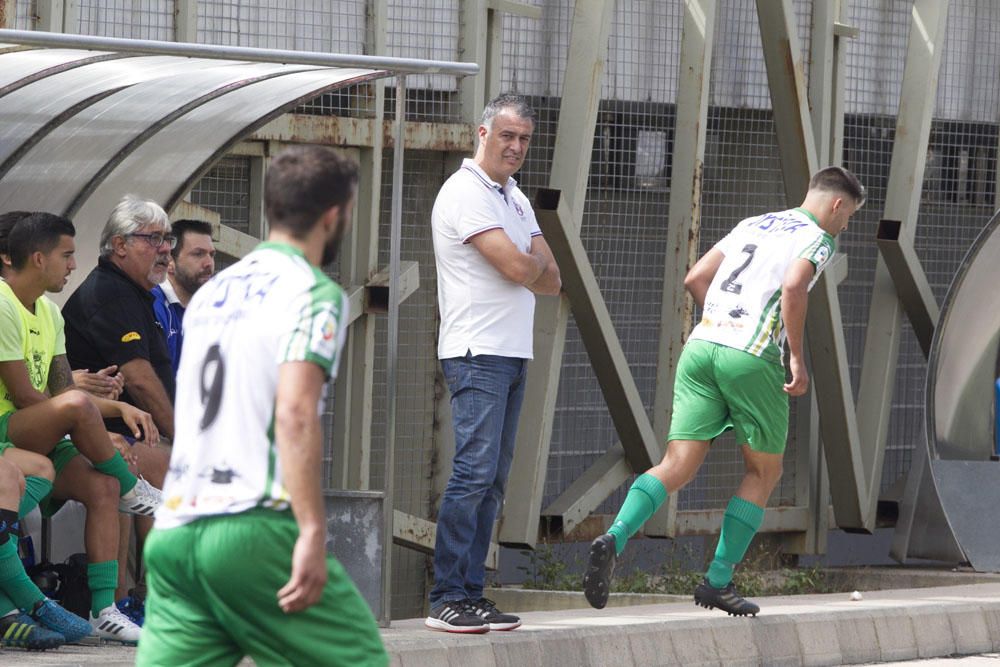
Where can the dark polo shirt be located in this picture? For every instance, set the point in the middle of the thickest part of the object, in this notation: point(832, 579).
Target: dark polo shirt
point(110, 320)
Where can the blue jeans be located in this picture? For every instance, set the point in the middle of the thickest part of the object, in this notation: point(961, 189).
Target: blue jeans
point(486, 395)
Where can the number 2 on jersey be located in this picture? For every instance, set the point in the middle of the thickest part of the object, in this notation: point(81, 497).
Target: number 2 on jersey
point(729, 284)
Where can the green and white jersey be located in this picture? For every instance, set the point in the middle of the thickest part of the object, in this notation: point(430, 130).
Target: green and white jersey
point(743, 304)
point(271, 307)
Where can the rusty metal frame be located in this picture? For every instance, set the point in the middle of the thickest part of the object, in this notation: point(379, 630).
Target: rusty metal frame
point(570, 167)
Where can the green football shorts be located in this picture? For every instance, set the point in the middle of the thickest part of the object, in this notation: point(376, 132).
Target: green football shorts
point(213, 587)
point(61, 454)
point(719, 388)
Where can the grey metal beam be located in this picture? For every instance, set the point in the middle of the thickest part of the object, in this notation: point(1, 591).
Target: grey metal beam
point(821, 50)
point(589, 490)
point(912, 288)
point(928, 23)
point(826, 105)
point(789, 103)
point(186, 20)
point(472, 47)
point(776, 520)
point(361, 132)
point(581, 96)
point(286, 56)
point(597, 332)
point(392, 339)
point(51, 16)
point(831, 378)
point(516, 8)
point(419, 534)
point(353, 396)
point(373, 298)
point(838, 426)
point(683, 220)
point(8, 13)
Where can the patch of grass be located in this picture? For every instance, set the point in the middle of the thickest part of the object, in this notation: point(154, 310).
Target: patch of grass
point(547, 572)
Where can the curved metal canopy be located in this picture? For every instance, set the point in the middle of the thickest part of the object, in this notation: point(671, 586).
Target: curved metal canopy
point(952, 482)
point(91, 119)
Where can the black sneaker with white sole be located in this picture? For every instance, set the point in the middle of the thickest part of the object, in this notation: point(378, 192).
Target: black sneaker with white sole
point(456, 616)
point(600, 567)
point(487, 610)
point(727, 599)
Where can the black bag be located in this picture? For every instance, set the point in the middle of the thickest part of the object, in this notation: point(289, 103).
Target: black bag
point(66, 583)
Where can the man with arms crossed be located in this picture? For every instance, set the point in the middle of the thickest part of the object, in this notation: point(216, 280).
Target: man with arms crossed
point(753, 290)
point(491, 261)
point(236, 560)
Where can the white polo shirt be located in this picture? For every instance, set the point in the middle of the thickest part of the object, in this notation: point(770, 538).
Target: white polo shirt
point(481, 310)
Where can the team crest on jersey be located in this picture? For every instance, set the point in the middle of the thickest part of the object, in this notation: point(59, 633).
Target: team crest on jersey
point(325, 336)
point(520, 211)
point(822, 255)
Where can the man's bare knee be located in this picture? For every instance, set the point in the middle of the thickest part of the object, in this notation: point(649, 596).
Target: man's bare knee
point(76, 406)
point(11, 477)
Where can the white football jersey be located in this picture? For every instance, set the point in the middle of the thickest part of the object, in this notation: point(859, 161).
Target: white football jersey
point(743, 304)
point(271, 307)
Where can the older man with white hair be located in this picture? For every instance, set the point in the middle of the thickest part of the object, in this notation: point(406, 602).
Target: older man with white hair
point(110, 322)
point(110, 319)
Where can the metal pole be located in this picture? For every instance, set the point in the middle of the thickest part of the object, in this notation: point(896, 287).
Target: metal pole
point(395, 234)
point(284, 56)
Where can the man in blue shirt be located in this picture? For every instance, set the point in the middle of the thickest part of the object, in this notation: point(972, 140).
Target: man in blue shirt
point(192, 263)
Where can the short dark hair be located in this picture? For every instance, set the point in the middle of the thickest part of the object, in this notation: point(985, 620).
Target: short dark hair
point(7, 222)
point(38, 232)
point(180, 228)
point(838, 179)
point(303, 182)
point(516, 104)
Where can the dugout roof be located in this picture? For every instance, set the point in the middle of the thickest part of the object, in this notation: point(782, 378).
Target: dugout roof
point(85, 120)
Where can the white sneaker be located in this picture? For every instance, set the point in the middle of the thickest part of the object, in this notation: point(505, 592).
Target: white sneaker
point(143, 499)
point(112, 624)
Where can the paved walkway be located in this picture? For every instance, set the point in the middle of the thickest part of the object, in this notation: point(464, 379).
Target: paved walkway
point(886, 626)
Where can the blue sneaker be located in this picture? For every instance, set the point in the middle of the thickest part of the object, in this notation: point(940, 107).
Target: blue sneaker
point(63, 621)
point(133, 608)
point(20, 631)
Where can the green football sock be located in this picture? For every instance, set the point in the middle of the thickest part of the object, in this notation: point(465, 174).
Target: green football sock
point(14, 581)
point(6, 605)
point(117, 468)
point(739, 525)
point(35, 491)
point(102, 579)
point(643, 499)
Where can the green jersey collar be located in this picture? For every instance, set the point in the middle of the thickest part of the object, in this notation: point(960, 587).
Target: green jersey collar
point(807, 214)
point(283, 248)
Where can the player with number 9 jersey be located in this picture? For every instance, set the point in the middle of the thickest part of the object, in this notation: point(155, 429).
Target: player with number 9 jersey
point(271, 307)
point(743, 304)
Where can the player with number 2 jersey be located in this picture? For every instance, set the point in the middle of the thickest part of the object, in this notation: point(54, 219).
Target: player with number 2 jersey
point(743, 304)
point(753, 290)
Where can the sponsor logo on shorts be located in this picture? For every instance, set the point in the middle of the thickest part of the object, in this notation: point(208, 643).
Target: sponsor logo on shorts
point(131, 336)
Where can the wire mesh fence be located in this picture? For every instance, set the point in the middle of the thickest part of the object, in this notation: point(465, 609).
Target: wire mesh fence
point(133, 19)
point(25, 15)
point(625, 213)
point(337, 26)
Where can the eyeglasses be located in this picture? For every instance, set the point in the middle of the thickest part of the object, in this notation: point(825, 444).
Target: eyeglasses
point(157, 239)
